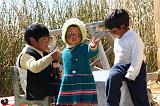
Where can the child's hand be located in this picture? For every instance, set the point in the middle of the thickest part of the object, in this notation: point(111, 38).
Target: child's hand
point(56, 55)
point(57, 71)
point(94, 42)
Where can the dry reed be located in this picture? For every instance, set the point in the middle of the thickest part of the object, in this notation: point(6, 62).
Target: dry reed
point(14, 17)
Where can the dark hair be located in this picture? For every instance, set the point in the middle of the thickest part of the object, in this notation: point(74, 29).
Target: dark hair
point(117, 18)
point(36, 31)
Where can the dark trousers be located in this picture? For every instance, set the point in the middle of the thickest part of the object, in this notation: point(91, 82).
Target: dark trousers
point(137, 88)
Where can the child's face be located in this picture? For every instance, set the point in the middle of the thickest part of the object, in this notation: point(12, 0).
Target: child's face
point(118, 32)
point(42, 43)
point(73, 35)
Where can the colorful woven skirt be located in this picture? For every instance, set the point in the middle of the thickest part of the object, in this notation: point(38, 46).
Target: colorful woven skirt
point(77, 88)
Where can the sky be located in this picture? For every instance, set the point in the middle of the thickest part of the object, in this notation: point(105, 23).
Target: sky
point(49, 1)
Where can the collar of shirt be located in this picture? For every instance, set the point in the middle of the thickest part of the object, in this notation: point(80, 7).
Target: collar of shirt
point(40, 52)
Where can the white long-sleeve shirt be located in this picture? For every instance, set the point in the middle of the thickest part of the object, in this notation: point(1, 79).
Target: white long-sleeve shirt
point(29, 62)
point(129, 50)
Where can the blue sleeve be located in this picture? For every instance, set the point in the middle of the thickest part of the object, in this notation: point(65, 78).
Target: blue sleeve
point(92, 53)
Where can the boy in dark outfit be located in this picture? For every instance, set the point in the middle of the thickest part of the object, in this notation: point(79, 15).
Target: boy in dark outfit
point(34, 62)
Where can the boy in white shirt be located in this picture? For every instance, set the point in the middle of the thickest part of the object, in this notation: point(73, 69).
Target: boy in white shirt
point(35, 63)
point(128, 63)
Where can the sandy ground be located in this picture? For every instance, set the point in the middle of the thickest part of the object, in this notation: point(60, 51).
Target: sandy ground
point(154, 88)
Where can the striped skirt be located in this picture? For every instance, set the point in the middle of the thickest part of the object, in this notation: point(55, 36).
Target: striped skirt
point(77, 88)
